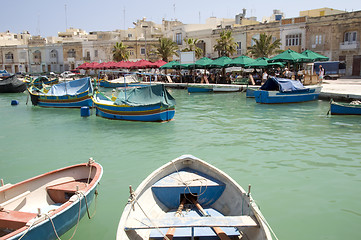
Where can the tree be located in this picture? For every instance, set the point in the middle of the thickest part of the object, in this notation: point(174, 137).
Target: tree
point(192, 46)
point(120, 52)
point(264, 47)
point(166, 48)
point(226, 46)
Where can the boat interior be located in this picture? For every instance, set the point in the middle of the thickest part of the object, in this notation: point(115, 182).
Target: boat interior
point(23, 203)
point(189, 204)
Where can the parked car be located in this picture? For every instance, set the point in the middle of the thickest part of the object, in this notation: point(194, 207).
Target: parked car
point(67, 74)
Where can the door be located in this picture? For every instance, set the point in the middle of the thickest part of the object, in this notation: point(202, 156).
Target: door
point(356, 65)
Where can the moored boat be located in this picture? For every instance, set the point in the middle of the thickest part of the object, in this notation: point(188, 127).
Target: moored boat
point(352, 108)
point(188, 198)
point(120, 82)
point(68, 94)
point(208, 88)
point(150, 103)
point(48, 205)
point(250, 91)
point(39, 81)
point(11, 84)
point(282, 90)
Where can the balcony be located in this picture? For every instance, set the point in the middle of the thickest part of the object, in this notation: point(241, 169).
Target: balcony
point(349, 45)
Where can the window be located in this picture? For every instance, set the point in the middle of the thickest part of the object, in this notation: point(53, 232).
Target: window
point(95, 53)
point(142, 51)
point(130, 35)
point(256, 37)
point(318, 39)
point(178, 38)
point(293, 39)
point(239, 48)
point(53, 54)
point(9, 56)
point(350, 36)
point(71, 53)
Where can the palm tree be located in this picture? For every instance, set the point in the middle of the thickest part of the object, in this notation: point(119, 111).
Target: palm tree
point(264, 47)
point(226, 45)
point(166, 48)
point(192, 46)
point(120, 52)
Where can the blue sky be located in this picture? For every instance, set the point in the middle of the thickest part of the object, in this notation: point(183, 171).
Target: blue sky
point(47, 17)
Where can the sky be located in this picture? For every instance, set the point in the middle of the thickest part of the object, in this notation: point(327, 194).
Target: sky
point(48, 17)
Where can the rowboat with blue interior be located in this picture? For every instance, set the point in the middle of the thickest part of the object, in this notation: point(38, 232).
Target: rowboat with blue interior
point(151, 103)
point(187, 198)
point(282, 90)
point(68, 94)
point(48, 205)
point(39, 81)
point(352, 108)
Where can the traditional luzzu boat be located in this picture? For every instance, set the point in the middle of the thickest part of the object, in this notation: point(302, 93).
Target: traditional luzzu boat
point(68, 94)
point(188, 198)
point(39, 81)
point(48, 205)
point(151, 103)
point(352, 108)
point(282, 90)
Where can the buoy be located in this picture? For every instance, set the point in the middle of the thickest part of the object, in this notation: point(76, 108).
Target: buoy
point(14, 102)
point(85, 111)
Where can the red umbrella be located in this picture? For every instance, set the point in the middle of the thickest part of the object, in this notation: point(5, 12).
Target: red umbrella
point(159, 63)
point(142, 64)
point(92, 65)
point(83, 66)
point(124, 64)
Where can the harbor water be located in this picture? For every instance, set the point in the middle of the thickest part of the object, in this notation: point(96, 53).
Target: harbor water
point(303, 165)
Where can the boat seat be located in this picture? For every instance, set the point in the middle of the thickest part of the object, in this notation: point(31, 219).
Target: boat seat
point(15, 219)
point(20, 196)
point(182, 222)
point(62, 192)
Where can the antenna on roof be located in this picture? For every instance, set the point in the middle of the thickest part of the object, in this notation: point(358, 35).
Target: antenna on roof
point(124, 15)
point(174, 11)
point(66, 19)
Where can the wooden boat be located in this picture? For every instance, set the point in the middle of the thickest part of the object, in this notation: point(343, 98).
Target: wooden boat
point(188, 198)
point(119, 82)
point(11, 84)
point(47, 206)
point(282, 90)
point(250, 91)
point(69, 94)
point(208, 88)
point(352, 108)
point(150, 103)
point(38, 82)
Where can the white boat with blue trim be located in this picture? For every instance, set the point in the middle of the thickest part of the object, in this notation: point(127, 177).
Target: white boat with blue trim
point(188, 198)
point(47, 206)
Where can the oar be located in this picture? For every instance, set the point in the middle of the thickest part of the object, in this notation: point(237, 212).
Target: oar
point(220, 233)
point(170, 233)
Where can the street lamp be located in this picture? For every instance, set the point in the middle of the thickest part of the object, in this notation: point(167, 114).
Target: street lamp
point(145, 38)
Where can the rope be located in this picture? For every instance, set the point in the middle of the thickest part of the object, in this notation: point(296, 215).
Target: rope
point(86, 204)
point(27, 230)
point(201, 180)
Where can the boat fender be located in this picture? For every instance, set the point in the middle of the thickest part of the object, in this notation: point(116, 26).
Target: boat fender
point(85, 111)
point(14, 102)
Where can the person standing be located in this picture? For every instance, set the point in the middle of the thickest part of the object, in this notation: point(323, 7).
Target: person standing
point(264, 76)
point(321, 74)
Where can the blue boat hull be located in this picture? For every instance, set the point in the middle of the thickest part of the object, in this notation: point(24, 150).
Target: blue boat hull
point(66, 101)
point(345, 109)
point(199, 89)
point(154, 113)
point(63, 222)
point(270, 97)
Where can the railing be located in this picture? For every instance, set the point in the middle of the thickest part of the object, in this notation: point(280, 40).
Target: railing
point(349, 45)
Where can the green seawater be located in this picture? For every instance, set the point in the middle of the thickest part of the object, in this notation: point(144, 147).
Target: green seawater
point(304, 166)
